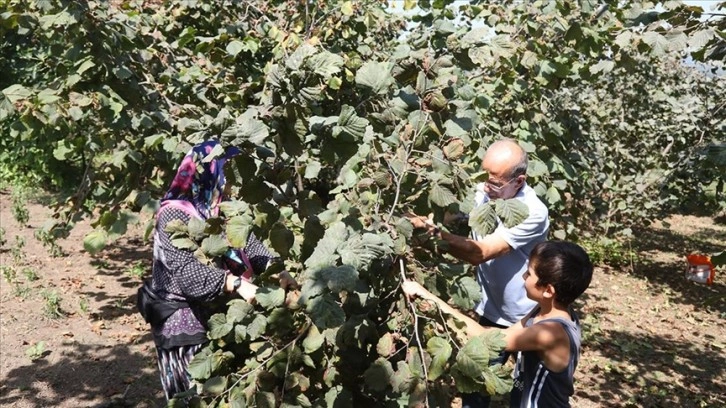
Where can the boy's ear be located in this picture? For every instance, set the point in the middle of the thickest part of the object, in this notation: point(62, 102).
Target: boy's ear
point(549, 292)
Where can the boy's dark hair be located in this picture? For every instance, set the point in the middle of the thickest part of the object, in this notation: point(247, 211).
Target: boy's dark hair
point(563, 265)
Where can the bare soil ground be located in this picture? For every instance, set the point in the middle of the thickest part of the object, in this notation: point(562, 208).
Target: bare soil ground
point(651, 338)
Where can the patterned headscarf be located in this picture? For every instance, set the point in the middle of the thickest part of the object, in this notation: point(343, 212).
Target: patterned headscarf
point(199, 181)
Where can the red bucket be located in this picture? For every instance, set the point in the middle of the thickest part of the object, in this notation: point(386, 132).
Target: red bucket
point(700, 269)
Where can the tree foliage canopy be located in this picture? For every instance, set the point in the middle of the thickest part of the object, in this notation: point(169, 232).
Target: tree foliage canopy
point(348, 116)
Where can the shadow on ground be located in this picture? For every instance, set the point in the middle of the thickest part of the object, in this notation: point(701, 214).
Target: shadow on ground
point(667, 368)
point(647, 364)
point(87, 374)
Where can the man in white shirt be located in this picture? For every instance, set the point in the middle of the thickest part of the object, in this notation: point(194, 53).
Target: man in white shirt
point(501, 257)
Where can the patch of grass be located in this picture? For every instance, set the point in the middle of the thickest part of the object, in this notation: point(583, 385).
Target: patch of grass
point(51, 307)
point(49, 241)
point(609, 251)
point(83, 305)
point(9, 273)
point(21, 291)
point(19, 206)
point(3, 241)
point(17, 250)
point(36, 351)
point(138, 270)
point(30, 274)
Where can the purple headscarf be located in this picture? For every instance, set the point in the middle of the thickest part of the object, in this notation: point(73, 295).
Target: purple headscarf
point(200, 181)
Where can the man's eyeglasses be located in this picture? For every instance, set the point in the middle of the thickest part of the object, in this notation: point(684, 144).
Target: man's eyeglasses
point(497, 189)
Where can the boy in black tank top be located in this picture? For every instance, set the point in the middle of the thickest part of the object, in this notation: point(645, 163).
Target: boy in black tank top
point(548, 338)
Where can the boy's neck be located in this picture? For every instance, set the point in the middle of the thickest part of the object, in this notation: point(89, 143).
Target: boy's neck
point(549, 308)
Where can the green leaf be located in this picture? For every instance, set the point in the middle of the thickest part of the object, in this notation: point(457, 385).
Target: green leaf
point(95, 241)
point(238, 310)
point(337, 396)
point(325, 251)
point(184, 243)
point(325, 312)
point(359, 251)
point(658, 43)
point(313, 341)
point(218, 326)
point(257, 327)
point(512, 212)
point(473, 358)
point(350, 124)
point(214, 245)
point(195, 228)
point(235, 47)
point(270, 298)
point(378, 376)
point(385, 345)
point(282, 239)
point(603, 66)
point(483, 219)
point(231, 208)
point(401, 381)
point(465, 292)
point(454, 149)
point(85, 66)
point(497, 380)
point(376, 76)
point(325, 64)
point(247, 129)
point(312, 169)
point(441, 195)
point(338, 278)
point(16, 93)
point(347, 8)
point(440, 350)
point(215, 385)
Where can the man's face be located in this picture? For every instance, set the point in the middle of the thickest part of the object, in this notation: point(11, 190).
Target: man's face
point(499, 185)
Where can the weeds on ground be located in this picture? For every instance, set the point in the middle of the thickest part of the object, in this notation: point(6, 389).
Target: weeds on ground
point(21, 291)
point(9, 273)
point(36, 351)
point(83, 304)
point(30, 274)
point(51, 308)
point(138, 270)
point(19, 207)
point(609, 251)
point(49, 241)
point(3, 241)
point(17, 250)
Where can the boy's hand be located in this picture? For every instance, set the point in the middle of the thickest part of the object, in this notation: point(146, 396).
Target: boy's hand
point(413, 288)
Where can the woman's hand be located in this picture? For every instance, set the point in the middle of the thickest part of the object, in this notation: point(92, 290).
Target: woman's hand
point(413, 288)
point(247, 290)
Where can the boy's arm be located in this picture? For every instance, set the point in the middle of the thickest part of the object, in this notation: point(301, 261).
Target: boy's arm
point(412, 288)
point(541, 336)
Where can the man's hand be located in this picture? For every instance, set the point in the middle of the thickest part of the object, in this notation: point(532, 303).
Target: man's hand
point(419, 221)
point(287, 281)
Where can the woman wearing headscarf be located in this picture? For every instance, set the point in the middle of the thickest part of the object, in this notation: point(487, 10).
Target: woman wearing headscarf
point(177, 301)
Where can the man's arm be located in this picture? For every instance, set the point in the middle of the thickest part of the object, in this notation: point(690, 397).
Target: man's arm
point(463, 248)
